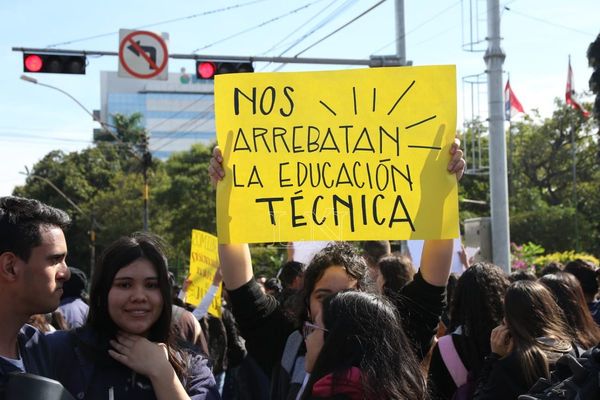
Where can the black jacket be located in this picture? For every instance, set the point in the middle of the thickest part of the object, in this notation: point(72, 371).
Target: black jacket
point(266, 326)
point(34, 352)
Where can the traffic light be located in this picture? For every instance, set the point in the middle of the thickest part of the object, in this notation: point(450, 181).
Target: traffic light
point(54, 63)
point(208, 69)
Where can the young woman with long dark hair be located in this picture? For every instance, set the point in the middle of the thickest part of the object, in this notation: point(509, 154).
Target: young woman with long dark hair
point(357, 349)
point(524, 348)
point(127, 349)
point(569, 296)
point(476, 309)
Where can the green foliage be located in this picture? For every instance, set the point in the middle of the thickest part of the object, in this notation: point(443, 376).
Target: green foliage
point(187, 199)
point(524, 256)
point(542, 198)
point(267, 259)
point(564, 257)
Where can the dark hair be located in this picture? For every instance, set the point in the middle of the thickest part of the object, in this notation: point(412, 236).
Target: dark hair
point(569, 296)
point(373, 250)
point(75, 286)
point(585, 274)
point(477, 307)
point(521, 275)
point(531, 313)
point(396, 270)
point(118, 255)
point(21, 221)
point(337, 253)
point(289, 271)
point(364, 331)
point(551, 268)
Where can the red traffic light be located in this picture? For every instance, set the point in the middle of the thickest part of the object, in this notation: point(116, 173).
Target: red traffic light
point(33, 63)
point(206, 69)
point(54, 63)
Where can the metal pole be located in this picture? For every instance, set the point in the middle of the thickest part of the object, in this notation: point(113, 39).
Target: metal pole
point(400, 34)
point(574, 172)
point(146, 164)
point(92, 244)
point(145, 199)
point(494, 58)
point(373, 61)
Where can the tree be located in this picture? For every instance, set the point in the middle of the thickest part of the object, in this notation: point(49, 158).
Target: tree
point(544, 209)
point(80, 176)
point(188, 200)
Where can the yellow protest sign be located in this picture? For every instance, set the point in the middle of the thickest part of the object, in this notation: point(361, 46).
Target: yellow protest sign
point(337, 155)
point(204, 261)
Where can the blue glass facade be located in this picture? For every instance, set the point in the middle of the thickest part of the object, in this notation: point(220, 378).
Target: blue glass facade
point(176, 113)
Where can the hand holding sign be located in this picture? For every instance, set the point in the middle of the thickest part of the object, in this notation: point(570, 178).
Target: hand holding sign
point(456, 165)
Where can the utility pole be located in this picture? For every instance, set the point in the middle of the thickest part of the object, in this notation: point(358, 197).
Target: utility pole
point(494, 58)
point(92, 243)
point(146, 163)
point(400, 34)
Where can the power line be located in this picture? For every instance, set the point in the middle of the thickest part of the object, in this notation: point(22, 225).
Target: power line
point(218, 10)
point(342, 27)
point(12, 135)
point(177, 113)
point(180, 129)
point(419, 26)
point(545, 21)
point(319, 25)
point(257, 26)
point(172, 140)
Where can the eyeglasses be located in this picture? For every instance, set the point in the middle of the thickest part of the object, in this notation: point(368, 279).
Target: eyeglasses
point(310, 328)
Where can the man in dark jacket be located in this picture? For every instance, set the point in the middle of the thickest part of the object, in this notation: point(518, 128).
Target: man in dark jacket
point(32, 272)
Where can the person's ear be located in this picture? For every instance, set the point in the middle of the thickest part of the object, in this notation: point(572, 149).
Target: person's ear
point(8, 266)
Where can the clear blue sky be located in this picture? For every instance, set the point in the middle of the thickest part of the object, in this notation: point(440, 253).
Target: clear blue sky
point(538, 37)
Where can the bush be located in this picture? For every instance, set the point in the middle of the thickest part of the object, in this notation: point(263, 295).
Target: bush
point(551, 227)
point(564, 257)
point(524, 256)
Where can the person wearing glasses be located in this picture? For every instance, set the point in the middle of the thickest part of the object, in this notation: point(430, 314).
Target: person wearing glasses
point(356, 349)
point(274, 339)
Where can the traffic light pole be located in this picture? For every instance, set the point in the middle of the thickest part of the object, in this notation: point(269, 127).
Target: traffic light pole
point(494, 58)
point(373, 61)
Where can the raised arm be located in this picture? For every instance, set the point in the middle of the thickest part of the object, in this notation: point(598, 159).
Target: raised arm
point(236, 265)
point(436, 259)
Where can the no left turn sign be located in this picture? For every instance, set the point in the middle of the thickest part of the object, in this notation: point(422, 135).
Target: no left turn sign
point(143, 55)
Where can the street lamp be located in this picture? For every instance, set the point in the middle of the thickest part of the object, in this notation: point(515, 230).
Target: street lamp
point(145, 158)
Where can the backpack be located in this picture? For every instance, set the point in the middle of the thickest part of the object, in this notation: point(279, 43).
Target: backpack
point(573, 379)
point(465, 384)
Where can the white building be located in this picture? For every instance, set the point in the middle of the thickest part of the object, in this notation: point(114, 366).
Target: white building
point(176, 113)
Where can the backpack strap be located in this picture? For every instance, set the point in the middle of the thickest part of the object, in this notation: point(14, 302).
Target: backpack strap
point(452, 360)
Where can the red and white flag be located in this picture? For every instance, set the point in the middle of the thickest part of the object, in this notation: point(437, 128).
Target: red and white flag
point(570, 92)
point(512, 105)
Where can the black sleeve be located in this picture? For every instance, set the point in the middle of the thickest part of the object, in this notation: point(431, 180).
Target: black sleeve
point(420, 305)
point(262, 323)
point(236, 350)
point(439, 380)
point(500, 379)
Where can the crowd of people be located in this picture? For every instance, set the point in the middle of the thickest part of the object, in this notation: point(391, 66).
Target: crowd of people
point(356, 322)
